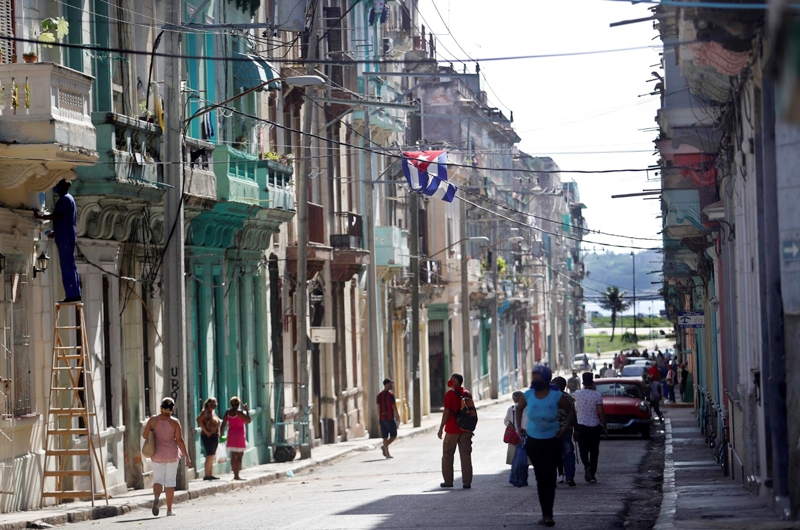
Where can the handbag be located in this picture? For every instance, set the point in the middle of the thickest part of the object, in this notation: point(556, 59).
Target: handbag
point(519, 468)
point(511, 436)
point(149, 447)
point(221, 456)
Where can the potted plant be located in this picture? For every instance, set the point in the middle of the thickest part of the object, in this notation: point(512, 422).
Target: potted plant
point(53, 30)
point(30, 57)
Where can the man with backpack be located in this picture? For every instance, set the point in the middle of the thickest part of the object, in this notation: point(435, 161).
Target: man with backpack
point(458, 423)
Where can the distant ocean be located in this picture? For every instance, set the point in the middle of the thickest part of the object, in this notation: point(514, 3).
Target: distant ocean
point(646, 308)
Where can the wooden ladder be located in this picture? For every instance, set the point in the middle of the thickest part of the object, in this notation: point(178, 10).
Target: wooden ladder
point(70, 416)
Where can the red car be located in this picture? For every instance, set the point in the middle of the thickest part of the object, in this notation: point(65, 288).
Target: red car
point(627, 410)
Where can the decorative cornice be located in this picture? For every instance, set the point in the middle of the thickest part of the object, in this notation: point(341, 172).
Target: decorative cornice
point(114, 220)
point(35, 177)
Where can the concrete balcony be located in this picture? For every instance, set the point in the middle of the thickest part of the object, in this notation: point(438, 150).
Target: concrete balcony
point(201, 182)
point(682, 216)
point(348, 255)
point(391, 247)
point(130, 155)
point(46, 128)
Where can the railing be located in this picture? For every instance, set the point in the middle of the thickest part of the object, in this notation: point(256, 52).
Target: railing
point(198, 168)
point(349, 231)
point(316, 224)
point(430, 272)
point(132, 144)
point(45, 103)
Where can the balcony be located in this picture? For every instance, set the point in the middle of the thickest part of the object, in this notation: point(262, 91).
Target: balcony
point(44, 115)
point(348, 255)
point(251, 198)
point(682, 217)
point(391, 247)
point(129, 151)
point(431, 273)
point(201, 182)
point(318, 252)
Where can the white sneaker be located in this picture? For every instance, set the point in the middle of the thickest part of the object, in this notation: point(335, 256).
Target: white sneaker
point(562, 478)
point(170, 513)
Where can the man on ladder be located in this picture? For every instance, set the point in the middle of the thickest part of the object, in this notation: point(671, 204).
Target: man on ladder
point(65, 219)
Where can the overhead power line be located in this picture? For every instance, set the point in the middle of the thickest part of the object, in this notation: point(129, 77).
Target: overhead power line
point(346, 62)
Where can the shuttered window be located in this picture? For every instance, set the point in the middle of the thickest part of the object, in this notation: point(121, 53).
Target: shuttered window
point(7, 30)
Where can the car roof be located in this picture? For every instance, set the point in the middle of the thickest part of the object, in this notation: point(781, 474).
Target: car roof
point(619, 380)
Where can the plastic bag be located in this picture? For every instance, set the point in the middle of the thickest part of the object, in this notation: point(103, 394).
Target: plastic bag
point(221, 456)
point(519, 468)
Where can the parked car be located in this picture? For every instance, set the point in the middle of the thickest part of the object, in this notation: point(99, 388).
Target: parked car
point(627, 410)
point(578, 363)
point(634, 360)
point(634, 370)
point(643, 362)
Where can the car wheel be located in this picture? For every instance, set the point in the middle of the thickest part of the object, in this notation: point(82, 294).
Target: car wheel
point(646, 432)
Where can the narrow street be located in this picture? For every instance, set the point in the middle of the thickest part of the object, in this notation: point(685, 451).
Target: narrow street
point(366, 491)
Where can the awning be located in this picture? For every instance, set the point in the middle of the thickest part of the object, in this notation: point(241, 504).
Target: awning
point(250, 71)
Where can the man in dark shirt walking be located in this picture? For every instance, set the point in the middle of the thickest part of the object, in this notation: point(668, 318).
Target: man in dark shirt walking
point(455, 436)
point(389, 416)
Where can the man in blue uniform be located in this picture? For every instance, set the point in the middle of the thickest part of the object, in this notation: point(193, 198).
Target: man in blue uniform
point(65, 219)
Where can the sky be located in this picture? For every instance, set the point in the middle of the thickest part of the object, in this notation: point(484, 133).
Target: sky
point(583, 111)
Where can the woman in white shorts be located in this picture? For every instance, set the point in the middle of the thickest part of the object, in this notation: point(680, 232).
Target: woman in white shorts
point(169, 448)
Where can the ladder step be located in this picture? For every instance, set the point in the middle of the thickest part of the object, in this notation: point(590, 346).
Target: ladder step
point(72, 494)
point(69, 347)
point(73, 388)
point(69, 357)
point(64, 368)
point(58, 304)
point(69, 412)
point(59, 432)
point(67, 473)
point(68, 327)
point(67, 452)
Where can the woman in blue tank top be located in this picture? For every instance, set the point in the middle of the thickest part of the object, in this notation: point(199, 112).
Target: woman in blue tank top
point(543, 432)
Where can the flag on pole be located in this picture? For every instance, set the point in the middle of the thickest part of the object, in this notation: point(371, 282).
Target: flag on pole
point(426, 172)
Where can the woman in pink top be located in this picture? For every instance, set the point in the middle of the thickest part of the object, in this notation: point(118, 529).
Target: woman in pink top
point(169, 448)
point(237, 439)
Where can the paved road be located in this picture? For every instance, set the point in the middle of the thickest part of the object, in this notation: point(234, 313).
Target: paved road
point(366, 491)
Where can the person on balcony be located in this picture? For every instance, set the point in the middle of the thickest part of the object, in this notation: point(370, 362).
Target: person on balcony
point(65, 232)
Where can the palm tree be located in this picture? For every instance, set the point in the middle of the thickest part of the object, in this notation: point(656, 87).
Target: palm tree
point(614, 300)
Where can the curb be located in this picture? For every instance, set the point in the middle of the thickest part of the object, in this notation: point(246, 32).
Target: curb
point(669, 500)
point(104, 512)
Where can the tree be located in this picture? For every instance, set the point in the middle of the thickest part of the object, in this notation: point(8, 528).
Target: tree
point(614, 300)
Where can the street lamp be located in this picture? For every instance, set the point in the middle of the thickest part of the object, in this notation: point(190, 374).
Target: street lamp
point(41, 264)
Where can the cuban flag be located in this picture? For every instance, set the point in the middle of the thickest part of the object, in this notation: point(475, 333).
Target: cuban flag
point(426, 172)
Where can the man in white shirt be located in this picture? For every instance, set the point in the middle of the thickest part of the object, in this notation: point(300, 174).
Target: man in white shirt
point(609, 372)
point(591, 425)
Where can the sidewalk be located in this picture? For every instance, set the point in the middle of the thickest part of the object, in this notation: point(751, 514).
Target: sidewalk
point(254, 476)
point(696, 493)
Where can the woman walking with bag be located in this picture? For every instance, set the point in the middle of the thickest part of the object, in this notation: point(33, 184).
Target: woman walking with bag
point(237, 436)
point(169, 446)
point(543, 432)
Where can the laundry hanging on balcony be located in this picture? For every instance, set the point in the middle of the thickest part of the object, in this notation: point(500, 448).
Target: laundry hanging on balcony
point(426, 172)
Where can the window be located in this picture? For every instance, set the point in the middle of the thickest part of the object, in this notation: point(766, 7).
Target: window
point(18, 338)
point(107, 353)
point(8, 50)
point(148, 391)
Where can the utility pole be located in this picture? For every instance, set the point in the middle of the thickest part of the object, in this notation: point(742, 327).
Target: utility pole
point(373, 376)
point(633, 258)
point(302, 236)
point(553, 354)
point(414, 226)
point(494, 354)
point(565, 349)
point(466, 339)
point(174, 287)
